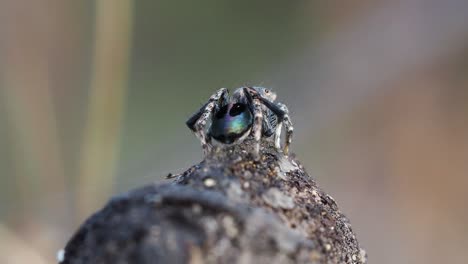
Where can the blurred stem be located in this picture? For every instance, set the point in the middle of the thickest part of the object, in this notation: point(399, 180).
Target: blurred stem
point(28, 99)
point(106, 103)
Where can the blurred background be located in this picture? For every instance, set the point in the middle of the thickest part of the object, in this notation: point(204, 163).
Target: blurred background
point(94, 96)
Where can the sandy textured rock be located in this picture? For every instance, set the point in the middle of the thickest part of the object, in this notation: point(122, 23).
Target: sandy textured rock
point(227, 209)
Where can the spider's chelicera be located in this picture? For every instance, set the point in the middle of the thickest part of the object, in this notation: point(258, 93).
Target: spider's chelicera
point(248, 111)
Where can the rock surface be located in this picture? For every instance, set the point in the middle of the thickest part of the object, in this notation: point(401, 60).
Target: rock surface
point(229, 208)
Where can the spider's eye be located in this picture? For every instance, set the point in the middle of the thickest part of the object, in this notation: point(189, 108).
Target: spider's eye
point(222, 112)
point(237, 109)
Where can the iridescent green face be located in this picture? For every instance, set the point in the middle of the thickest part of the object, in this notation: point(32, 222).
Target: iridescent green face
point(231, 122)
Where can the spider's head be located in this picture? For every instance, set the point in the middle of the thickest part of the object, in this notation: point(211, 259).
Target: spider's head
point(265, 92)
point(231, 122)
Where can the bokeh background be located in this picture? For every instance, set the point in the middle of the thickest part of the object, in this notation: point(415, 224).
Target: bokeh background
point(94, 96)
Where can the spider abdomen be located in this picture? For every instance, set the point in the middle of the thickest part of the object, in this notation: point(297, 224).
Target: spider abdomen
point(231, 122)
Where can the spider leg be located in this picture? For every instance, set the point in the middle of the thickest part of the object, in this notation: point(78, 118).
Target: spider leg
point(274, 107)
point(258, 120)
point(289, 129)
point(198, 121)
point(281, 111)
point(278, 128)
point(257, 125)
point(194, 118)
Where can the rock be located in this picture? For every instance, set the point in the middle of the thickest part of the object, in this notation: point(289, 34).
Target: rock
point(276, 199)
point(229, 208)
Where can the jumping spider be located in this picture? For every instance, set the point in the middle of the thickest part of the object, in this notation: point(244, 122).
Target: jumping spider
point(248, 111)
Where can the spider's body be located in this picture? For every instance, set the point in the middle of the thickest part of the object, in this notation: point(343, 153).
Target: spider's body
point(249, 110)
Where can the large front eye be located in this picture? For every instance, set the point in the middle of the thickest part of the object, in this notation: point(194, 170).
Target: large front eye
point(237, 109)
point(222, 112)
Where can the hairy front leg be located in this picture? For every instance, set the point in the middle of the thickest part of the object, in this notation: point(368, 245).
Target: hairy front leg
point(288, 127)
point(200, 125)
